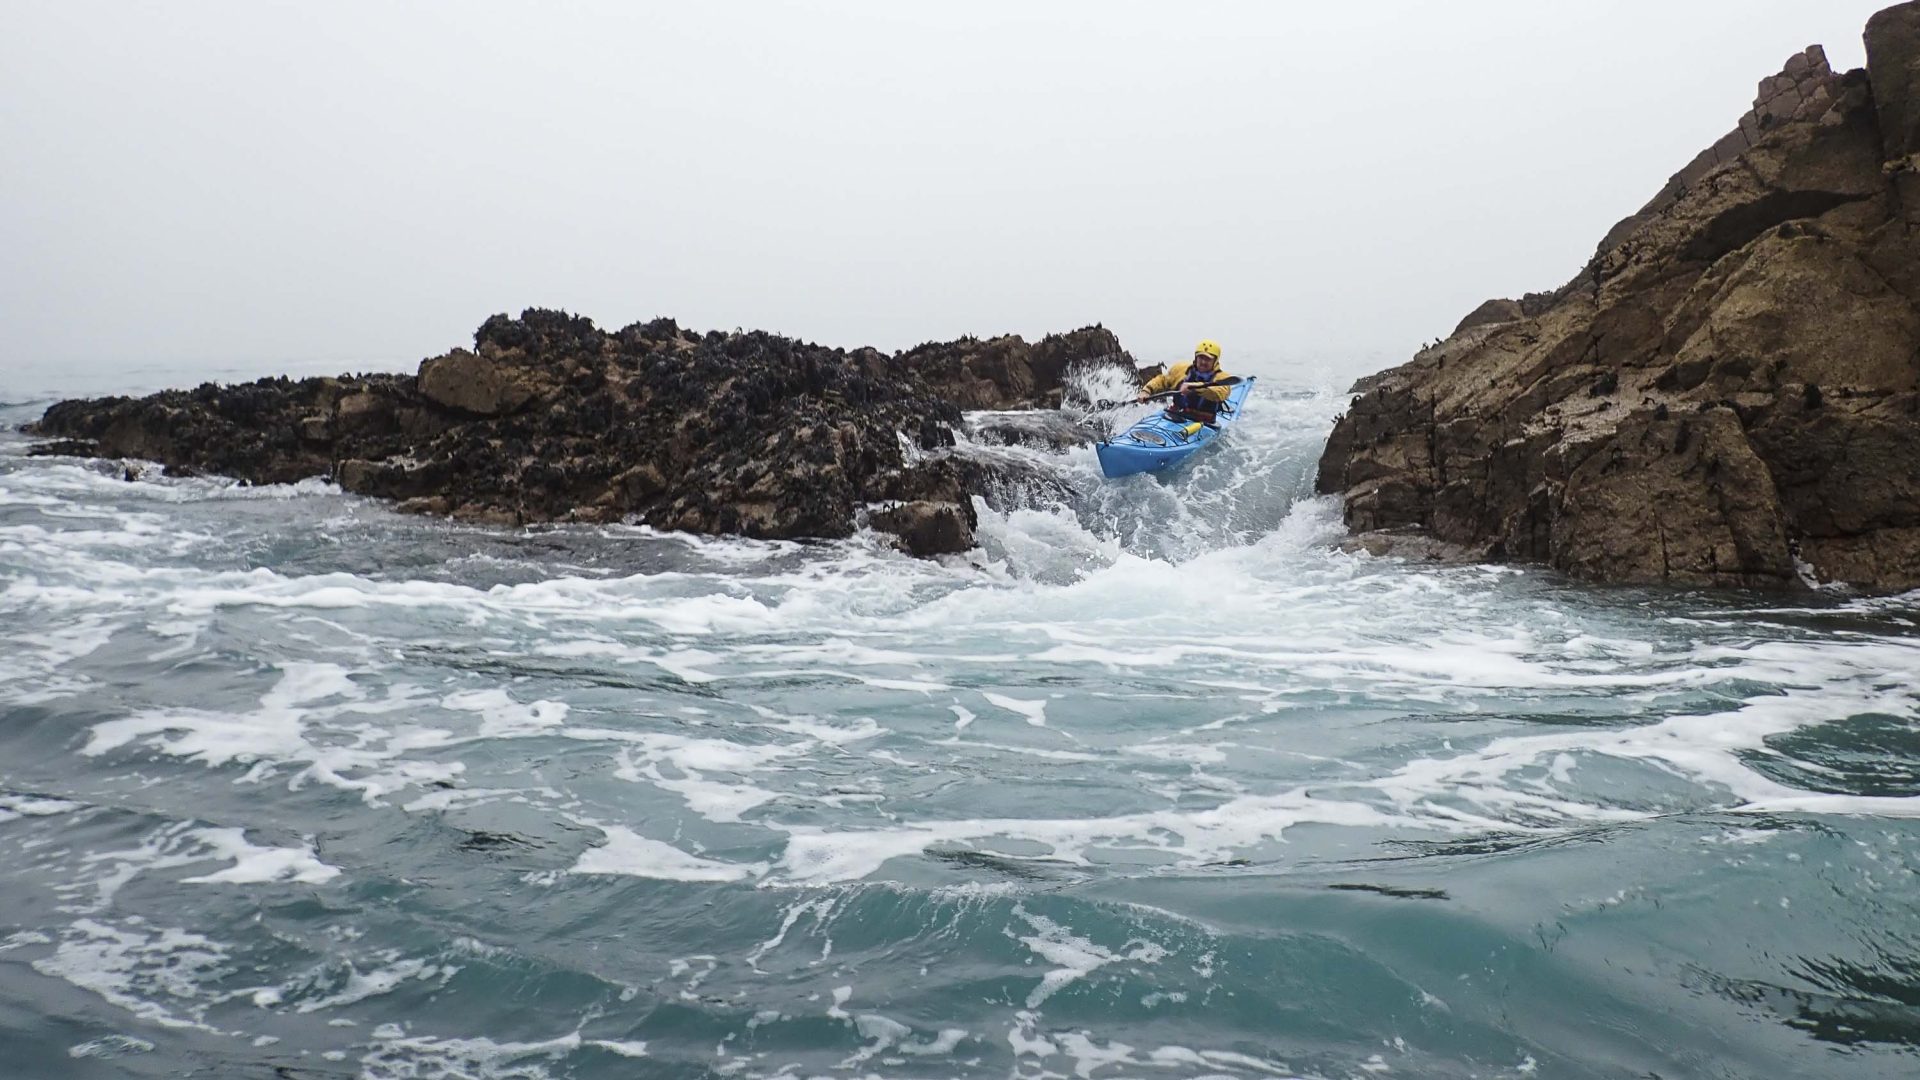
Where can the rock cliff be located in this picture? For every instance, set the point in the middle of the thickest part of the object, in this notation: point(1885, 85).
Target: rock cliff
point(1728, 394)
point(548, 418)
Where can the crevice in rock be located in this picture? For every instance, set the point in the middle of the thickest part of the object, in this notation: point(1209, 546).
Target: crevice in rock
point(1739, 226)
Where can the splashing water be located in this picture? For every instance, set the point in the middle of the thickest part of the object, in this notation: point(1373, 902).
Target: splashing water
point(1156, 782)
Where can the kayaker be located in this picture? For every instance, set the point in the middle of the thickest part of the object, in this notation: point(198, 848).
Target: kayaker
point(1197, 380)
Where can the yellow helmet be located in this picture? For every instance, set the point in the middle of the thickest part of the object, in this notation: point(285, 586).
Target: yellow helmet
point(1207, 347)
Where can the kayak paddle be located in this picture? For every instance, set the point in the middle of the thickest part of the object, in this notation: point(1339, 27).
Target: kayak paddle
point(1104, 404)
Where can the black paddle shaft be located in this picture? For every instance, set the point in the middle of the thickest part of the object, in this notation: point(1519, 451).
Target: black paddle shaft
point(1230, 380)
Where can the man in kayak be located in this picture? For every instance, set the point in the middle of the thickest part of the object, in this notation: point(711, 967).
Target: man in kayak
point(1199, 384)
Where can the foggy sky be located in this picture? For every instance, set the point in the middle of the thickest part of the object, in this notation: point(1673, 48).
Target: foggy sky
point(275, 183)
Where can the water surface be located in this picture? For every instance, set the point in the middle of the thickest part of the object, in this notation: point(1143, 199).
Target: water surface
point(1159, 782)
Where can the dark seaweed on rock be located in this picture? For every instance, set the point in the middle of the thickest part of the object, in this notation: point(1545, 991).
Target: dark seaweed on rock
point(548, 418)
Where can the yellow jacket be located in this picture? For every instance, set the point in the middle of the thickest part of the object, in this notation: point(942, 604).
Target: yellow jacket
point(1171, 379)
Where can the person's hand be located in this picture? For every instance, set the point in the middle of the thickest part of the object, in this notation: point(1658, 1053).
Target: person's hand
point(1140, 398)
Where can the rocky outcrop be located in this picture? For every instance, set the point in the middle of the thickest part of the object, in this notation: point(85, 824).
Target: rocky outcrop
point(548, 418)
point(1006, 372)
point(927, 528)
point(1727, 394)
point(1489, 313)
point(1802, 90)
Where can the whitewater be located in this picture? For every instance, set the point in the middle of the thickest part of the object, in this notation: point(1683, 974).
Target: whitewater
point(1159, 781)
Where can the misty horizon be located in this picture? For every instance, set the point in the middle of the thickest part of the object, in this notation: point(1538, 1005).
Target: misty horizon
point(277, 186)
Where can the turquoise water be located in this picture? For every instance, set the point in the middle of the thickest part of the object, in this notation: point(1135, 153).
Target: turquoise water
point(1157, 783)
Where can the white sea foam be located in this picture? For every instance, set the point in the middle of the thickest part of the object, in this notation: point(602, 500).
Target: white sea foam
point(31, 657)
point(627, 852)
point(108, 1046)
point(321, 723)
point(1086, 1055)
point(337, 984)
point(1203, 676)
point(397, 1055)
point(1024, 751)
point(1034, 711)
point(1074, 957)
point(104, 873)
point(690, 760)
point(1483, 789)
point(69, 480)
point(14, 807)
point(818, 909)
point(154, 973)
point(502, 717)
point(253, 864)
point(816, 855)
point(299, 724)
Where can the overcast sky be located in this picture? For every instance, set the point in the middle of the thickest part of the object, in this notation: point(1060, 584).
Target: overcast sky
point(279, 183)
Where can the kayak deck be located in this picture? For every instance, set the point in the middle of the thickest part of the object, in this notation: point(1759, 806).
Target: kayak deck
point(1158, 442)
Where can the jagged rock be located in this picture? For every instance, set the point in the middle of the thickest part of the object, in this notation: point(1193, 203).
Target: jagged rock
point(1367, 382)
point(1006, 372)
point(1049, 428)
point(363, 412)
point(1730, 385)
point(483, 386)
point(1803, 90)
point(927, 528)
point(393, 478)
point(1412, 545)
point(1893, 65)
point(1493, 311)
point(548, 418)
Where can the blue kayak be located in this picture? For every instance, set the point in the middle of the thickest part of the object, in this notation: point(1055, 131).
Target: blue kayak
point(1158, 442)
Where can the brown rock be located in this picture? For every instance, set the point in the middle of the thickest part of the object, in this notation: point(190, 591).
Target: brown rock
point(1818, 100)
point(391, 479)
point(1493, 311)
point(641, 482)
point(1007, 372)
point(363, 412)
point(1772, 87)
point(1733, 383)
point(1796, 306)
point(549, 418)
point(434, 505)
point(927, 528)
point(483, 386)
point(1683, 500)
point(1730, 146)
point(1783, 104)
point(1414, 546)
point(479, 514)
point(1893, 67)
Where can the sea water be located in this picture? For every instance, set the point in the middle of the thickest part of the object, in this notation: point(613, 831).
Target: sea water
point(1157, 782)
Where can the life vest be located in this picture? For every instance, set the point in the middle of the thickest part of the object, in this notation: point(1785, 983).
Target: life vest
point(1195, 403)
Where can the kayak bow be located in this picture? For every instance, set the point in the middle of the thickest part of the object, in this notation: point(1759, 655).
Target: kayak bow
point(1158, 442)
